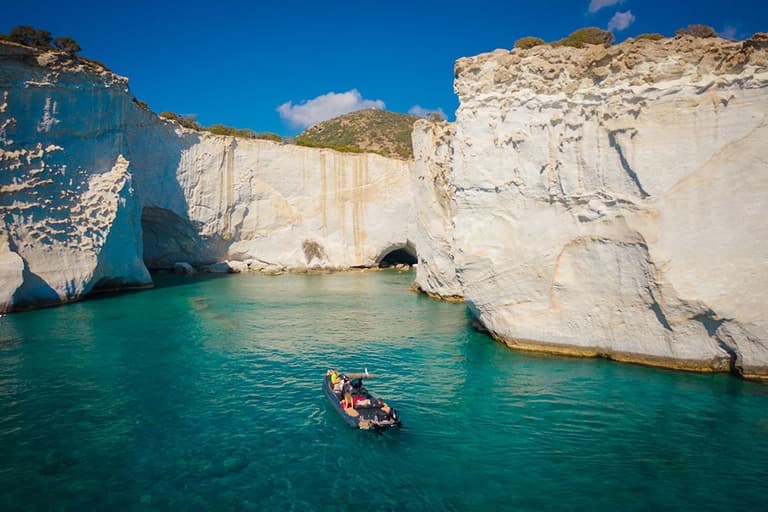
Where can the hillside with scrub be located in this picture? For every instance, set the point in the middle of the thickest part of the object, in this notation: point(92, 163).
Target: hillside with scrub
point(370, 131)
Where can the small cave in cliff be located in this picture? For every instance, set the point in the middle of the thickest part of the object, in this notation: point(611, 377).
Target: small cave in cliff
point(404, 255)
point(169, 238)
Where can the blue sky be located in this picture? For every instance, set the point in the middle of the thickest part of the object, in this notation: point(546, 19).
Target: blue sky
point(277, 66)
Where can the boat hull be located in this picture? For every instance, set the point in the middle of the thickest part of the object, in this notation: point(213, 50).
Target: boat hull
point(374, 415)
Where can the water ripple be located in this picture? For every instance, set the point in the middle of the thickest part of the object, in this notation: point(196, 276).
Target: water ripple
point(213, 401)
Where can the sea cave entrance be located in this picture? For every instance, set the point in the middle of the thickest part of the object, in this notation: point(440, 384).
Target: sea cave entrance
point(169, 238)
point(403, 254)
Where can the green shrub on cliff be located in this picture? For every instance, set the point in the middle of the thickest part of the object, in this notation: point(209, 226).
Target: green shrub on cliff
point(524, 43)
point(185, 121)
point(269, 136)
point(585, 36)
point(220, 129)
point(312, 144)
point(38, 38)
point(697, 31)
point(364, 131)
point(30, 36)
point(67, 44)
point(141, 104)
point(652, 36)
point(216, 129)
point(93, 62)
point(246, 133)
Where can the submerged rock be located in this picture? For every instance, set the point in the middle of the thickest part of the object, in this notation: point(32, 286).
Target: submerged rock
point(221, 267)
point(182, 267)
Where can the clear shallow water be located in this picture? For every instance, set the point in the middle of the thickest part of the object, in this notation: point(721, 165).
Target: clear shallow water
point(204, 393)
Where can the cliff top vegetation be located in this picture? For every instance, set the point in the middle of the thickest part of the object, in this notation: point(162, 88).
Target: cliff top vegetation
point(364, 131)
point(40, 39)
point(31, 36)
point(218, 129)
point(637, 61)
point(597, 36)
point(370, 131)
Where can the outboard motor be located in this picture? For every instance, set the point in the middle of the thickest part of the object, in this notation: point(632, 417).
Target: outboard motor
point(393, 416)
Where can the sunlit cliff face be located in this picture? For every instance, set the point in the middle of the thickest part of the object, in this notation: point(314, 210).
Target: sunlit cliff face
point(95, 189)
point(606, 201)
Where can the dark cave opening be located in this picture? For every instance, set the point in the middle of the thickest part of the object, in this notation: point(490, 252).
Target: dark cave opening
point(402, 256)
point(168, 239)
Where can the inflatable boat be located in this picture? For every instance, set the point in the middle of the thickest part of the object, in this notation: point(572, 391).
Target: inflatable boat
point(356, 406)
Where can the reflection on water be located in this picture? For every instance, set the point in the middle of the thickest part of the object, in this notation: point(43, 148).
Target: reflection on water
point(205, 393)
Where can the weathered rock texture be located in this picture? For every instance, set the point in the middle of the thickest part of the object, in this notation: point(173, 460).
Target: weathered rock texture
point(93, 189)
point(433, 191)
point(608, 201)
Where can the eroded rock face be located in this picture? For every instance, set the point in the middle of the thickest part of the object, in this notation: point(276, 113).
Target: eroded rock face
point(433, 190)
point(68, 204)
point(607, 200)
point(221, 198)
point(93, 189)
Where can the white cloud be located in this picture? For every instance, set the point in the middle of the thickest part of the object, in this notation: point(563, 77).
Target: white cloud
point(419, 111)
point(729, 32)
point(596, 5)
point(325, 106)
point(621, 20)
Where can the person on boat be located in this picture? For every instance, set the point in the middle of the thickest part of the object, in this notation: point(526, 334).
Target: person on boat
point(346, 390)
point(334, 377)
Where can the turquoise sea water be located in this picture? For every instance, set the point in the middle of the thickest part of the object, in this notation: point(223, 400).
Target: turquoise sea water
point(205, 394)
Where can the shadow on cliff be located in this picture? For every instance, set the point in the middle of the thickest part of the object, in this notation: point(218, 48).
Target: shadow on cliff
point(169, 238)
point(157, 149)
point(34, 286)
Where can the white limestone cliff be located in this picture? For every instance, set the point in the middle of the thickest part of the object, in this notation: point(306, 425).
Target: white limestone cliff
point(271, 205)
point(94, 188)
point(607, 201)
point(433, 193)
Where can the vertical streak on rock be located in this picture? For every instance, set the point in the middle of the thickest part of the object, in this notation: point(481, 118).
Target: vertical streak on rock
point(226, 189)
point(363, 200)
point(354, 195)
point(580, 164)
point(551, 158)
point(323, 190)
point(357, 200)
point(599, 172)
point(122, 144)
point(341, 199)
